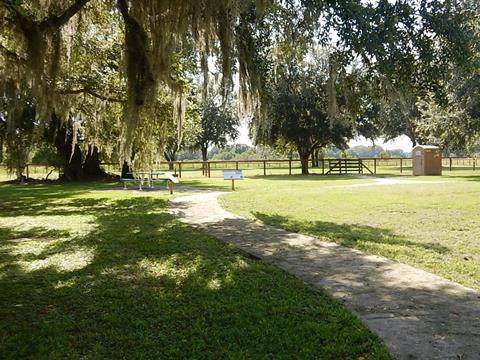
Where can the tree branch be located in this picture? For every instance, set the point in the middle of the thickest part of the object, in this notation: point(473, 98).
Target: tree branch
point(52, 22)
point(62, 19)
point(19, 16)
point(12, 55)
point(93, 93)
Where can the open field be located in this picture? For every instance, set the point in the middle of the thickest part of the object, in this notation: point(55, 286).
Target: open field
point(90, 273)
point(431, 226)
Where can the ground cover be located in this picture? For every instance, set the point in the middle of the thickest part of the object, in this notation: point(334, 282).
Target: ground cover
point(90, 273)
point(431, 226)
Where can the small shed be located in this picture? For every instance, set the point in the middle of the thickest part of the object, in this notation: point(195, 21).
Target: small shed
point(426, 160)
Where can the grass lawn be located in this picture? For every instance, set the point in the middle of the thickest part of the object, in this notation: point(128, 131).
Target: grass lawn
point(90, 273)
point(431, 226)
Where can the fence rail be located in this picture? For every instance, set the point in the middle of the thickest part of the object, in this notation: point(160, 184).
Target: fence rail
point(379, 165)
point(256, 167)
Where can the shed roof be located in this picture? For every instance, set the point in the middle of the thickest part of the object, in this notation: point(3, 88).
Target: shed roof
point(426, 147)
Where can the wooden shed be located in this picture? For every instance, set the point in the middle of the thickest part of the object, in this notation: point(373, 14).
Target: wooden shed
point(426, 160)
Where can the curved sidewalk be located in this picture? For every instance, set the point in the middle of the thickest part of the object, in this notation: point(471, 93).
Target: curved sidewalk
point(418, 315)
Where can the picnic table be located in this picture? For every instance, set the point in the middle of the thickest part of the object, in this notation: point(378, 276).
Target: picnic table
point(149, 177)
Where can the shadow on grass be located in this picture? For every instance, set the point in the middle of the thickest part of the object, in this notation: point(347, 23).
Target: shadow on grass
point(411, 309)
point(141, 284)
point(464, 177)
point(346, 234)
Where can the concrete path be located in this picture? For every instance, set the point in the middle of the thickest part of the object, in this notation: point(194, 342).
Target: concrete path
point(418, 315)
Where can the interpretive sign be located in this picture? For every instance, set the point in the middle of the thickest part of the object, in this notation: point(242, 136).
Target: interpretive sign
point(232, 175)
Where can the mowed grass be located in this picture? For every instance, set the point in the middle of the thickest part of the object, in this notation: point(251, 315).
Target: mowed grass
point(89, 273)
point(435, 227)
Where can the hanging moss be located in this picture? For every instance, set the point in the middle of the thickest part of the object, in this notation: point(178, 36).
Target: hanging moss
point(154, 31)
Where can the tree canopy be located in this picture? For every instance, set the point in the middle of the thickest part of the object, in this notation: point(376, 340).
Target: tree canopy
point(104, 63)
point(299, 110)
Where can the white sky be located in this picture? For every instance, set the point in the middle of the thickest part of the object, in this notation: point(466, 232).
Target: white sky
point(401, 142)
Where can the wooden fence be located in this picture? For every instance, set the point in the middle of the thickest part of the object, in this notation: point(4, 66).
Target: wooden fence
point(259, 167)
point(378, 165)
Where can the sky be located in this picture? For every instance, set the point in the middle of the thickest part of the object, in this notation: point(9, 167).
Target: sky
point(401, 142)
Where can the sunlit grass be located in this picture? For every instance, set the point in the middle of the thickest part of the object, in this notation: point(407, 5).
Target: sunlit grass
point(431, 226)
point(91, 273)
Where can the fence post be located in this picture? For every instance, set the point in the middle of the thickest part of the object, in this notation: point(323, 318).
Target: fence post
point(289, 167)
point(179, 169)
point(264, 168)
point(236, 165)
point(26, 168)
point(474, 162)
point(208, 168)
point(401, 165)
point(375, 166)
point(450, 162)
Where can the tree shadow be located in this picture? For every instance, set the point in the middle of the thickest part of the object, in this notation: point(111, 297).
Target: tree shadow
point(466, 177)
point(347, 234)
point(142, 284)
point(418, 314)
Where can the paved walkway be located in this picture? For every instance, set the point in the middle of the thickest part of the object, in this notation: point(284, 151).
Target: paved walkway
point(418, 315)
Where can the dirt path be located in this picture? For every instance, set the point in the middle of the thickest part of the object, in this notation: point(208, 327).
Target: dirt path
point(419, 315)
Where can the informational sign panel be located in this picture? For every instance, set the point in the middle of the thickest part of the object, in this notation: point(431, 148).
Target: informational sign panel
point(232, 175)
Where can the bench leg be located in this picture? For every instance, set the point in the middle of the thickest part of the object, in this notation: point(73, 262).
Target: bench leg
point(170, 187)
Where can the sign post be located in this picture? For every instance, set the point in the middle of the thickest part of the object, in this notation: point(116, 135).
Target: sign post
point(232, 175)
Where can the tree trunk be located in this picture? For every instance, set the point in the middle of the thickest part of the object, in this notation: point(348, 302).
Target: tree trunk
point(91, 167)
point(170, 157)
point(304, 161)
point(204, 154)
point(315, 156)
point(126, 171)
point(60, 135)
point(72, 166)
point(414, 141)
point(72, 169)
point(204, 159)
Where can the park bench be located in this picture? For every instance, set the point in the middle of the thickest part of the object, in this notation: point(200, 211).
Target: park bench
point(149, 177)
